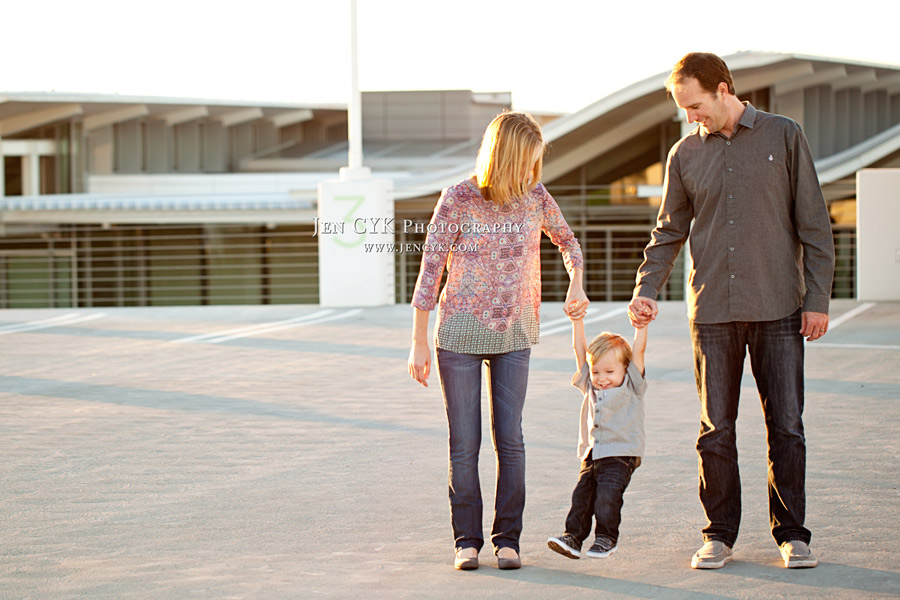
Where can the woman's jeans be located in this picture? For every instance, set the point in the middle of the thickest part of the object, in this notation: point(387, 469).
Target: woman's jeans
point(460, 376)
point(776, 358)
point(600, 493)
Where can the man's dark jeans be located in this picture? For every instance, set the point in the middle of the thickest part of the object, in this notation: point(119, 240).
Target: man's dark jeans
point(776, 358)
point(460, 376)
point(599, 493)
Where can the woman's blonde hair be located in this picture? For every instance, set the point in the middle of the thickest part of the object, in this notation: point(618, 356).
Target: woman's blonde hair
point(504, 167)
point(610, 342)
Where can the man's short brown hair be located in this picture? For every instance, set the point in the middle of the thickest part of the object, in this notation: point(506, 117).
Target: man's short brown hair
point(708, 69)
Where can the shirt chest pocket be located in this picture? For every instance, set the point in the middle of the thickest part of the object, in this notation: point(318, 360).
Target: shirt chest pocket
point(612, 406)
point(770, 164)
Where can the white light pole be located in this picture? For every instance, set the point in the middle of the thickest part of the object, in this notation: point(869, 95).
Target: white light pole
point(354, 169)
point(354, 108)
point(355, 224)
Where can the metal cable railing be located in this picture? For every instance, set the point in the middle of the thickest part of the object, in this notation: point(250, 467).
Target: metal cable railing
point(146, 265)
point(152, 265)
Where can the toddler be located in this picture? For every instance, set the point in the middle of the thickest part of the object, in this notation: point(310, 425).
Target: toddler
point(611, 437)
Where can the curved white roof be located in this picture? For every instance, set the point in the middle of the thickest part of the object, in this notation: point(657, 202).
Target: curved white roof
point(783, 73)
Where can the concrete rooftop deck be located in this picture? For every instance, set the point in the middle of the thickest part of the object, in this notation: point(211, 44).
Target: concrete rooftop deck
point(284, 452)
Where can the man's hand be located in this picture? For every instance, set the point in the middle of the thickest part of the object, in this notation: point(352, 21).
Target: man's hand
point(641, 311)
point(814, 325)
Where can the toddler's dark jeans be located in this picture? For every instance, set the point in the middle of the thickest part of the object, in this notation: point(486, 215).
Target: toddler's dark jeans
point(599, 493)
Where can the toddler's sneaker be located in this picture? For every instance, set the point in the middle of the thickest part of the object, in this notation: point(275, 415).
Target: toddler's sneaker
point(566, 544)
point(603, 547)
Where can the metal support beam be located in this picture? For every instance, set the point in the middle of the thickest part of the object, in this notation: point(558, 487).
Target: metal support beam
point(24, 122)
point(183, 116)
point(825, 76)
point(240, 116)
point(115, 116)
point(747, 82)
point(857, 79)
point(881, 83)
point(291, 118)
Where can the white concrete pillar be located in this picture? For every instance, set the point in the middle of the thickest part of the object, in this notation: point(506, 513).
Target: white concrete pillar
point(355, 228)
point(877, 241)
point(2, 171)
point(31, 174)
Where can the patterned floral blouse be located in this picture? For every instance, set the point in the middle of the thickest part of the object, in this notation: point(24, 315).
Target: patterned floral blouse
point(491, 302)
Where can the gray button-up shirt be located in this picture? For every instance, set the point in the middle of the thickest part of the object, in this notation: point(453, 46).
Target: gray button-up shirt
point(761, 242)
point(611, 421)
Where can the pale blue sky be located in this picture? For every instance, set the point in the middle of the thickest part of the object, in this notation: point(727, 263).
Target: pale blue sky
point(556, 56)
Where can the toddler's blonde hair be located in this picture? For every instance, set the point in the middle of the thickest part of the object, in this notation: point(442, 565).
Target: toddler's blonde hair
point(610, 342)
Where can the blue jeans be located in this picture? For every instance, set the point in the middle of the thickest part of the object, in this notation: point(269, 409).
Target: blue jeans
point(600, 493)
point(460, 376)
point(776, 357)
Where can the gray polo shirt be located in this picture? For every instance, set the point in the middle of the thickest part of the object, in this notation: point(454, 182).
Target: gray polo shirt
point(761, 243)
point(612, 421)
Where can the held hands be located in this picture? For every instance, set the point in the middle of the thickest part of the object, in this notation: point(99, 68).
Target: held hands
point(641, 311)
point(577, 302)
point(576, 309)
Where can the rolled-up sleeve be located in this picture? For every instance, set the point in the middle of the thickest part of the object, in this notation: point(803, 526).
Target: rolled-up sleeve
point(559, 232)
point(437, 250)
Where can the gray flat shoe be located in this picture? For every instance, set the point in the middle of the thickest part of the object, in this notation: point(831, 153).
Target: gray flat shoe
point(509, 563)
point(465, 564)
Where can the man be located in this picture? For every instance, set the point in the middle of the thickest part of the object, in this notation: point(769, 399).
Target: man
point(763, 263)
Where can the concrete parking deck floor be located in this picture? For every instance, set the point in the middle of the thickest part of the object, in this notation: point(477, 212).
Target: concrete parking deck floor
point(284, 452)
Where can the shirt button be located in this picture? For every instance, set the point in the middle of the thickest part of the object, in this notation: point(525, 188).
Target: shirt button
point(730, 169)
point(727, 143)
point(730, 196)
point(731, 221)
point(732, 276)
point(732, 248)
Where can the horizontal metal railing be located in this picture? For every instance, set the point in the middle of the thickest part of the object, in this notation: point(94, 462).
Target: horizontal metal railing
point(146, 265)
point(83, 265)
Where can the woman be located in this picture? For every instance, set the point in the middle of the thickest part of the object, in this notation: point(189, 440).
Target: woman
point(486, 230)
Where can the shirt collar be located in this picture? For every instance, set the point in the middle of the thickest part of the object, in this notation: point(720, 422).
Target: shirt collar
point(748, 118)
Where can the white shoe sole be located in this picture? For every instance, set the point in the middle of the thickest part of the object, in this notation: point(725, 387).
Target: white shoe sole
point(801, 563)
point(601, 554)
point(700, 564)
point(558, 546)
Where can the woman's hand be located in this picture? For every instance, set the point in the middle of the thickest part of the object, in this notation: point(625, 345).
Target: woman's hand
point(419, 363)
point(576, 302)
